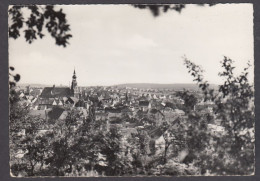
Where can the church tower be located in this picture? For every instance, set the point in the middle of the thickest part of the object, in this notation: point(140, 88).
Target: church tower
point(74, 87)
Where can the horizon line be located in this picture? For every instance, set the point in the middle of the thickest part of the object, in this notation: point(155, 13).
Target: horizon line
point(109, 85)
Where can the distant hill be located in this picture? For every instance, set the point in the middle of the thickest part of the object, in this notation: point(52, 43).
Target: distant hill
point(39, 85)
point(164, 86)
point(33, 85)
point(135, 85)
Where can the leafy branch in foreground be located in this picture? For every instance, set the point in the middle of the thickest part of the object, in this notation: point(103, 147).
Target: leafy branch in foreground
point(158, 9)
point(234, 111)
point(40, 16)
point(14, 77)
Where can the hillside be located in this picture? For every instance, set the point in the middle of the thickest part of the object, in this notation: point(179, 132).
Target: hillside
point(163, 86)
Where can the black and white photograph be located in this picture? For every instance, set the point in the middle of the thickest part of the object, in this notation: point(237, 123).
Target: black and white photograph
point(131, 90)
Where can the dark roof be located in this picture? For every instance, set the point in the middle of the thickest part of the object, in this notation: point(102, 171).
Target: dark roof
point(156, 133)
point(72, 100)
point(112, 110)
point(142, 98)
point(51, 92)
point(80, 103)
point(101, 114)
point(126, 109)
point(142, 112)
point(93, 98)
point(138, 123)
point(115, 120)
point(153, 111)
point(143, 103)
point(55, 112)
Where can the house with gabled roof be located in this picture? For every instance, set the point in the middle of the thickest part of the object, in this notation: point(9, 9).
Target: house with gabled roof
point(158, 115)
point(144, 105)
point(157, 141)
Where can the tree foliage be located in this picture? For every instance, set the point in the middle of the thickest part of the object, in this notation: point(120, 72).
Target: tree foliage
point(158, 9)
point(234, 110)
point(13, 78)
point(190, 100)
point(40, 17)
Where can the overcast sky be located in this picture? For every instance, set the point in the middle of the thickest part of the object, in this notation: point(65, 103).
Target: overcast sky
point(114, 44)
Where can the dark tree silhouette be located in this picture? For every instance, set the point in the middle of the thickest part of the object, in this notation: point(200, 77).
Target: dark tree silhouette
point(14, 77)
point(158, 9)
point(190, 100)
point(40, 17)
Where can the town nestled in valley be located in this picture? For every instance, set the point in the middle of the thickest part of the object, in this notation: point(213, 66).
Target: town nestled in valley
point(147, 112)
point(127, 108)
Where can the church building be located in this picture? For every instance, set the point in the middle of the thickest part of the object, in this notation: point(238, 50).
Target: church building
point(60, 92)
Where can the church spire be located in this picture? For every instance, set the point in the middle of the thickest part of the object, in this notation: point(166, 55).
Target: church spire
point(74, 74)
point(74, 83)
